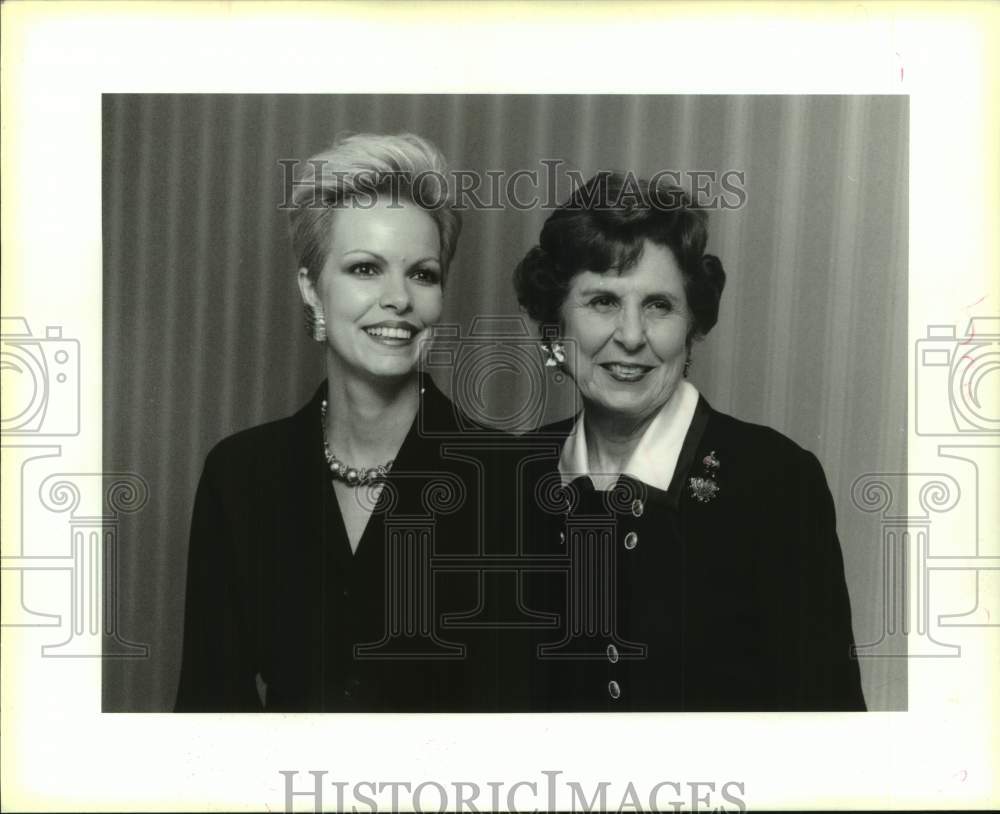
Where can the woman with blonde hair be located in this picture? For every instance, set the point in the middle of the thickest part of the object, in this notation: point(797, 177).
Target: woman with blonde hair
point(302, 527)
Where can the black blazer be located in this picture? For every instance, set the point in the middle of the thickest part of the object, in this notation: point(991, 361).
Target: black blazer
point(726, 593)
point(280, 616)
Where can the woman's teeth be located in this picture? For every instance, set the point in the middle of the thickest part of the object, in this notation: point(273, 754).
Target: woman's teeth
point(629, 373)
point(390, 333)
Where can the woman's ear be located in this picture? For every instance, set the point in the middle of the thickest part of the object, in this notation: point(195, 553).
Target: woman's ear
point(307, 288)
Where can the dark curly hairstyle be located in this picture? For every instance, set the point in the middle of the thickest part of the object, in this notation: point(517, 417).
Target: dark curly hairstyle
point(602, 227)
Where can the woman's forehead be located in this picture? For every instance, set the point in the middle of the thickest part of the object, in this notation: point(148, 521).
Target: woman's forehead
point(380, 229)
point(654, 270)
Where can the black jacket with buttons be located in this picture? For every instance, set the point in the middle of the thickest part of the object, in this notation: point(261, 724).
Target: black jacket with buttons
point(724, 592)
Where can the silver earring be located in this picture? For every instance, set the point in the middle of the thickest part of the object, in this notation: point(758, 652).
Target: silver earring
point(687, 365)
point(555, 354)
point(315, 323)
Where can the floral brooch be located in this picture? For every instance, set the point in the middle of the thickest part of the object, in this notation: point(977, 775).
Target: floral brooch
point(705, 488)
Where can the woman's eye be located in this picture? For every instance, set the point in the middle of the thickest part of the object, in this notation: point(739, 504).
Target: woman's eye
point(661, 306)
point(364, 269)
point(427, 275)
point(602, 303)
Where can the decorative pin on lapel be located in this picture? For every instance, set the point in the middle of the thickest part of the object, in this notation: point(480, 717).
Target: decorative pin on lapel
point(705, 488)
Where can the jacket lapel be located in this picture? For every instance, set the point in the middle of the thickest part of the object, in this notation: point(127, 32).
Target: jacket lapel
point(689, 454)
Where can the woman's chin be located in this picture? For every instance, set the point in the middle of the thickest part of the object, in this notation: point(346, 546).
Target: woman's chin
point(631, 399)
point(400, 370)
point(623, 404)
point(627, 405)
point(386, 366)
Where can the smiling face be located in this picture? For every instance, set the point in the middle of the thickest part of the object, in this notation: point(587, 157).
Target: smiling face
point(628, 334)
point(379, 289)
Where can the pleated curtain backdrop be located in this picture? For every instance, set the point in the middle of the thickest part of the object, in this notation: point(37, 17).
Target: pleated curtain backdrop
point(203, 331)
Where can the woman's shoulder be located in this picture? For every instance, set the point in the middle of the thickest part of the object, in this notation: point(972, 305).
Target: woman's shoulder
point(750, 434)
point(764, 473)
point(264, 444)
point(253, 441)
point(769, 454)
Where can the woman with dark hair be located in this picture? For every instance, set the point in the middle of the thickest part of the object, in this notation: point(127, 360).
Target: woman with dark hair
point(308, 569)
point(698, 561)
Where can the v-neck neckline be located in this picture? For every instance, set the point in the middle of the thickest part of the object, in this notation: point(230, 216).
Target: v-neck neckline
point(401, 461)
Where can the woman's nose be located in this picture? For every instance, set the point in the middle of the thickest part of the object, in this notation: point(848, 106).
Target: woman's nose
point(395, 294)
point(630, 333)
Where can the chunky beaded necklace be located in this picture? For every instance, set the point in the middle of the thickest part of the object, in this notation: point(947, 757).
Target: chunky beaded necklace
point(351, 475)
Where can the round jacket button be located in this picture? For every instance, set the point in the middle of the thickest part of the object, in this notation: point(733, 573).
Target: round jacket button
point(631, 540)
point(614, 690)
point(637, 508)
point(612, 653)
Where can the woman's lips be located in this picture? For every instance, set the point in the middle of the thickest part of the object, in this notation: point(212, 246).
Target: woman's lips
point(391, 336)
point(625, 372)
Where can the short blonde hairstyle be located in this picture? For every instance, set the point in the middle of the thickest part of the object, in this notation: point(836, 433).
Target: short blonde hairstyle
point(368, 166)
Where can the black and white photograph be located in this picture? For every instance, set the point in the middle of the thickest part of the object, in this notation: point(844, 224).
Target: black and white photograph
point(492, 402)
